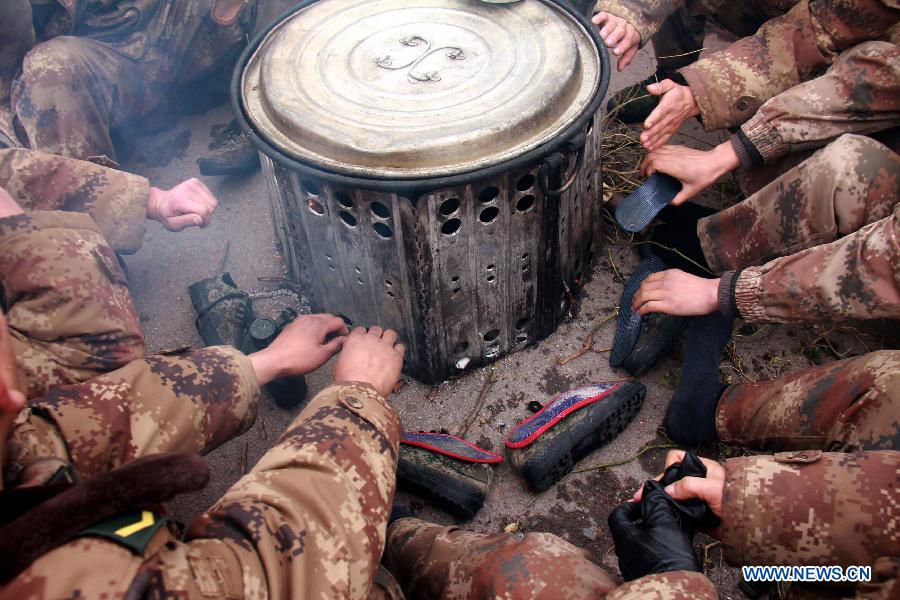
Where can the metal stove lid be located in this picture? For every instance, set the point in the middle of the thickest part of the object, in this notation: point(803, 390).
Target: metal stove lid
point(418, 88)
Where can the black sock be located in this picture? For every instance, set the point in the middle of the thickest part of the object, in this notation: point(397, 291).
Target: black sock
point(686, 252)
point(691, 416)
point(399, 511)
point(685, 215)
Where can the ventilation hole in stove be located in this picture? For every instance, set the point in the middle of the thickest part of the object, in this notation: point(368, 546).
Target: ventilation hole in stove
point(451, 226)
point(310, 188)
point(382, 230)
point(525, 203)
point(357, 269)
point(521, 337)
point(359, 281)
point(525, 182)
point(491, 279)
point(525, 256)
point(525, 267)
point(388, 283)
point(343, 199)
point(489, 214)
point(491, 336)
point(455, 279)
point(390, 294)
point(315, 207)
point(347, 218)
point(522, 323)
point(456, 291)
point(380, 210)
point(461, 348)
point(490, 267)
point(488, 194)
point(449, 206)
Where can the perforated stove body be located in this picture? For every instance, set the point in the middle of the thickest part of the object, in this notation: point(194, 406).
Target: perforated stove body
point(482, 259)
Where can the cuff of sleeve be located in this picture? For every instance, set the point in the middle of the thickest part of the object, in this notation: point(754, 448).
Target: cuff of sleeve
point(745, 150)
point(248, 385)
point(726, 294)
point(764, 138)
point(673, 584)
point(635, 18)
point(704, 96)
point(41, 220)
point(364, 401)
point(123, 224)
point(747, 294)
point(734, 507)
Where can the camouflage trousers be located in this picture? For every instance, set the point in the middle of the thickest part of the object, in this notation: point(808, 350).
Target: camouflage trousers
point(852, 182)
point(679, 40)
point(74, 89)
point(848, 405)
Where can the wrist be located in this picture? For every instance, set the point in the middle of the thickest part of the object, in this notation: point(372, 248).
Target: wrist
point(693, 107)
point(711, 296)
point(154, 203)
point(266, 366)
point(726, 159)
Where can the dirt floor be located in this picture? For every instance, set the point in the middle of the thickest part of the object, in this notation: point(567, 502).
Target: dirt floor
point(241, 241)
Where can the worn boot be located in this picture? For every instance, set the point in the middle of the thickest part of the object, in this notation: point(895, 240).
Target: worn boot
point(545, 447)
point(635, 103)
point(448, 470)
point(223, 311)
point(231, 152)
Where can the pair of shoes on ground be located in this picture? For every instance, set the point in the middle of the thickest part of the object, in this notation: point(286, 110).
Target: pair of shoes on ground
point(456, 475)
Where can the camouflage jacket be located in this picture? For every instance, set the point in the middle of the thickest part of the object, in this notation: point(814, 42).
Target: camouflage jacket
point(856, 276)
point(731, 85)
point(115, 200)
point(816, 508)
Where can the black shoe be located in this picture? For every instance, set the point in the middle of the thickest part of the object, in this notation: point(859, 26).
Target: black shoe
point(448, 470)
point(659, 335)
point(223, 311)
point(635, 103)
point(628, 323)
point(232, 152)
point(545, 447)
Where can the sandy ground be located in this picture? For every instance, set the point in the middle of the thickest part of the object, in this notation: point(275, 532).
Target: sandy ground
point(241, 241)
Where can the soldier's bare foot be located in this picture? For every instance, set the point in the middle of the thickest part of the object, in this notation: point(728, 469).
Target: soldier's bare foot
point(372, 357)
point(304, 346)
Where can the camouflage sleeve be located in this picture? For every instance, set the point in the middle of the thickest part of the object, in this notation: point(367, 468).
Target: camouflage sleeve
point(730, 86)
point(116, 200)
point(811, 508)
point(309, 520)
point(646, 16)
point(856, 276)
point(190, 402)
point(675, 585)
point(860, 93)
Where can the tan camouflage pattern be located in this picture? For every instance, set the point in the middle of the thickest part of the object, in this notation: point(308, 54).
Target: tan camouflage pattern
point(431, 561)
point(677, 27)
point(860, 93)
point(731, 85)
point(824, 234)
point(66, 298)
point(812, 508)
point(115, 200)
point(103, 64)
point(848, 405)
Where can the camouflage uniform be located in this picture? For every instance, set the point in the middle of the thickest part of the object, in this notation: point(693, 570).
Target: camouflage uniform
point(677, 27)
point(833, 221)
point(98, 65)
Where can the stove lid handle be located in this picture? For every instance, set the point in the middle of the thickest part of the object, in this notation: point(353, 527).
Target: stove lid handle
point(557, 161)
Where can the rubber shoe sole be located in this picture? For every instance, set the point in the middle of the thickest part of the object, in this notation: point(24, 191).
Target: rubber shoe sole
point(659, 335)
point(453, 485)
point(553, 455)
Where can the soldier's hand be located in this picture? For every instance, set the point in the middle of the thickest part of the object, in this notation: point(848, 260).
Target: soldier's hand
point(696, 169)
point(676, 105)
point(302, 347)
point(674, 292)
point(372, 357)
point(620, 36)
point(188, 204)
point(710, 489)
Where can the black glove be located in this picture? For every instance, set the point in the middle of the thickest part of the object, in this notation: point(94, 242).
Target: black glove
point(650, 536)
point(695, 513)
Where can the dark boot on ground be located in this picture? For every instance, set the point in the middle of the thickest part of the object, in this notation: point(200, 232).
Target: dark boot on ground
point(545, 447)
point(634, 103)
point(223, 311)
point(231, 152)
point(449, 471)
